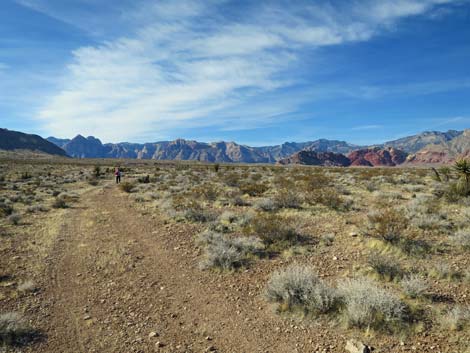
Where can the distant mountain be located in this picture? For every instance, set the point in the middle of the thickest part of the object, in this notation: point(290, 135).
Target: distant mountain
point(180, 149)
point(58, 142)
point(81, 147)
point(14, 140)
point(423, 148)
point(414, 143)
point(444, 152)
point(309, 157)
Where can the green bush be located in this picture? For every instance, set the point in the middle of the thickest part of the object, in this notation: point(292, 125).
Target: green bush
point(272, 230)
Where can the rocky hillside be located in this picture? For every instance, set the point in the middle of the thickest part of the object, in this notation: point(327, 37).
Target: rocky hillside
point(371, 157)
point(414, 143)
point(14, 140)
point(444, 152)
point(329, 159)
point(424, 148)
point(181, 149)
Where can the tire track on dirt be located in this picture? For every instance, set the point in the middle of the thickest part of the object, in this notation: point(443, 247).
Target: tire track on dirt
point(128, 281)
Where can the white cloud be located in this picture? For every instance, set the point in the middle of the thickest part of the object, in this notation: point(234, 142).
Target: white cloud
point(184, 63)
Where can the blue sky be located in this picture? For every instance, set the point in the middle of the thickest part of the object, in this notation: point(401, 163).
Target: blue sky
point(256, 72)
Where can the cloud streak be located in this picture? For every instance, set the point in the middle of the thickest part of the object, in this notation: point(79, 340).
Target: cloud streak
point(190, 63)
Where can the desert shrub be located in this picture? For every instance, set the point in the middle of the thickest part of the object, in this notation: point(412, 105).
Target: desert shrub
point(265, 204)
point(228, 217)
point(327, 239)
point(415, 247)
point(224, 252)
point(315, 181)
point(144, 179)
point(286, 198)
point(25, 176)
point(457, 318)
point(430, 222)
point(126, 186)
point(371, 186)
point(387, 224)
point(37, 208)
point(442, 270)
point(298, 286)
point(414, 286)
point(60, 202)
point(385, 266)
point(462, 239)
point(96, 171)
point(455, 191)
point(254, 189)
point(197, 213)
point(272, 230)
point(5, 209)
point(93, 181)
point(367, 305)
point(14, 218)
point(232, 179)
point(328, 197)
point(27, 286)
point(13, 330)
point(205, 191)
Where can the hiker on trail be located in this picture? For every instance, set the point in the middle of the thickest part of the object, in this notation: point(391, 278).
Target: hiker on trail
point(117, 174)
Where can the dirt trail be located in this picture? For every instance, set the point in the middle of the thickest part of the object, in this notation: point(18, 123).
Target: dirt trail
point(115, 275)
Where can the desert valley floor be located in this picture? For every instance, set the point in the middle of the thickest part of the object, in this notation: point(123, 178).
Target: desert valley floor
point(95, 267)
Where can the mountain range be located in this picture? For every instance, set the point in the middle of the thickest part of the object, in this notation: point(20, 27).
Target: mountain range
point(425, 148)
point(14, 140)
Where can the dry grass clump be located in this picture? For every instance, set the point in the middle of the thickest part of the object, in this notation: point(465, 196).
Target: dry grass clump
point(367, 305)
point(14, 331)
point(37, 208)
point(227, 253)
point(461, 239)
point(265, 204)
point(299, 287)
point(385, 266)
point(456, 319)
point(414, 286)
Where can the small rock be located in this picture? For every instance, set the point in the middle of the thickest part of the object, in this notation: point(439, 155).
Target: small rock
point(159, 344)
point(153, 334)
point(353, 234)
point(87, 317)
point(211, 349)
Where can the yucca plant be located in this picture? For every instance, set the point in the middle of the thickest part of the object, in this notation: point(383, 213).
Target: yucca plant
point(462, 166)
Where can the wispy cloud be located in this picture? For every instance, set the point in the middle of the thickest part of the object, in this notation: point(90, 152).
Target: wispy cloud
point(366, 127)
point(195, 63)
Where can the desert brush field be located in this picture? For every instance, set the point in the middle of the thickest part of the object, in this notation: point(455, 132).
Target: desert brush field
point(192, 257)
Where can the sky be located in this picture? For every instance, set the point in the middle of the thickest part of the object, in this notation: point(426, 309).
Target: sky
point(254, 72)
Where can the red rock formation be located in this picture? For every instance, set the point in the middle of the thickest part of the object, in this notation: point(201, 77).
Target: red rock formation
point(376, 156)
point(317, 158)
